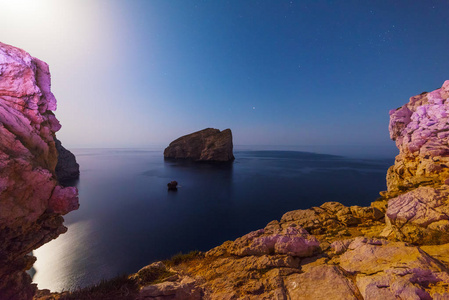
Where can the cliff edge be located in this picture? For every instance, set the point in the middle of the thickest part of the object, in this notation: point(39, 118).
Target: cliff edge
point(31, 199)
point(205, 145)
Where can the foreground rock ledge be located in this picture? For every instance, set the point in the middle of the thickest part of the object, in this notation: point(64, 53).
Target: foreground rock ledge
point(205, 145)
point(31, 198)
point(345, 259)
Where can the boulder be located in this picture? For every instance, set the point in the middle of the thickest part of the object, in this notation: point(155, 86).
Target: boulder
point(205, 145)
point(172, 186)
point(293, 241)
point(417, 183)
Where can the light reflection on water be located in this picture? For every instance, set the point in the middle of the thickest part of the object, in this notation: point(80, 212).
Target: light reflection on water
point(128, 219)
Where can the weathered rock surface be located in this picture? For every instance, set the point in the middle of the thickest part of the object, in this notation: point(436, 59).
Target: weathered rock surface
point(67, 168)
point(421, 131)
point(31, 201)
point(417, 196)
point(205, 145)
point(393, 270)
point(293, 241)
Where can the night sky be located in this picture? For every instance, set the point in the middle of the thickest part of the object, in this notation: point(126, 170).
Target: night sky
point(284, 73)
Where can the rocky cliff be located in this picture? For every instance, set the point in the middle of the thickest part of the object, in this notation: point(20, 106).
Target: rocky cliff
point(398, 248)
point(418, 208)
point(421, 131)
point(31, 200)
point(205, 145)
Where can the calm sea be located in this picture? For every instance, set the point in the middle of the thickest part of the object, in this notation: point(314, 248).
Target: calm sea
point(128, 219)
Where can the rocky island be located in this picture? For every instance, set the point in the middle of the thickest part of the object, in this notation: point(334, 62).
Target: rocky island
point(32, 201)
point(205, 145)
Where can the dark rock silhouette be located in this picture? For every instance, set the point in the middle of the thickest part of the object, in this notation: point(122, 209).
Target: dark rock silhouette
point(67, 168)
point(172, 186)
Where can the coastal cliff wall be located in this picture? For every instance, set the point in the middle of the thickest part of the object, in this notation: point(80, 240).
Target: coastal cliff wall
point(418, 191)
point(420, 129)
point(31, 199)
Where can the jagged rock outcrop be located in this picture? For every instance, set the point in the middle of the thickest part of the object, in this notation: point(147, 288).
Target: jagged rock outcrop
point(31, 200)
point(205, 145)
point(418, 206)
point(67, 168)
point(421, 131)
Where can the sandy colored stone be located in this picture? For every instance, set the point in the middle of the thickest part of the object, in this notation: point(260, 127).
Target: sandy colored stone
point(369, 256)
point(321, 282)
point(293, 241)
point(420, 129)
point(421, 206)
point(185, 289)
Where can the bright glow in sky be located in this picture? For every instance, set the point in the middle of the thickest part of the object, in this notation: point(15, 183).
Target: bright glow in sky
point(139, 73)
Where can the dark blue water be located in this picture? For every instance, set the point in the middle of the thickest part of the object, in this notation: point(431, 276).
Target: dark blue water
point(127, 218)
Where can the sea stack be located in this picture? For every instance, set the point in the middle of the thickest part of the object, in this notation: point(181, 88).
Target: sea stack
point(32, 201)
point(205, 145)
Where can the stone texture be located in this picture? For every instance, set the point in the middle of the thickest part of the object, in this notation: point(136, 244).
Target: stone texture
point(206, 145)
point(333, 218)
point(184, 288)
point(418, 210)
point(422, 206)
point(393, 270)
point(420, 216)
point(321, 282)
point(31, 200)
point(421, 131)
point(293, 241)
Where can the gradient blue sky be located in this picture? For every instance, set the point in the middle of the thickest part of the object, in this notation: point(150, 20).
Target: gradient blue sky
point(140, 73)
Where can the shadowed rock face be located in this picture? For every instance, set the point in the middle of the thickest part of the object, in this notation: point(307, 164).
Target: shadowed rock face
point(418, 191)
point(31, 200)
point(206, 145)
point(67, 168)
